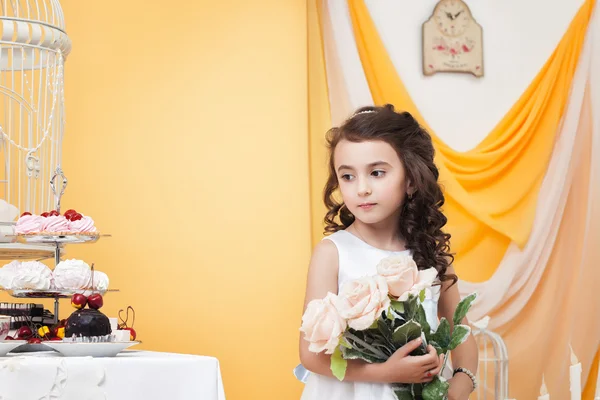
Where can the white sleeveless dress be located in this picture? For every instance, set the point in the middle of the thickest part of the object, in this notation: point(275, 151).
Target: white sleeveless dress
point(356, 260)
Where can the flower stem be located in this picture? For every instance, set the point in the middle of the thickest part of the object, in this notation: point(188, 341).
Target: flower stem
point(376, 352)
point(445, 362)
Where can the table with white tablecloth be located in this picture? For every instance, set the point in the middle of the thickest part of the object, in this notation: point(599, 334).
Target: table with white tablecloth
point(131, 375)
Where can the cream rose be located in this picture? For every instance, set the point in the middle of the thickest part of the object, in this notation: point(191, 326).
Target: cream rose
point(425, 280)
point(322, 324)
point(400, 272)
point(362, 301)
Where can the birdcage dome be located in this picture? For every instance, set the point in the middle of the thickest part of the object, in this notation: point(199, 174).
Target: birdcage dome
point(32, 23)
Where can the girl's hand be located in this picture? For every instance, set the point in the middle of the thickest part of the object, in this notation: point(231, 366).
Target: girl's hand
point(404, 368)
point(460, 388)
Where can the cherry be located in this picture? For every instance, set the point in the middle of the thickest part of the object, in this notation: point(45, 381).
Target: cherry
point(79, 301)
point(76, 217)
point(95, 301)
point(25, 213)
point(34, 341)
point(70, 213)
point(24, 332)
point(53, 213)
point(9, 338)
point(45, 214)
point(132, 333)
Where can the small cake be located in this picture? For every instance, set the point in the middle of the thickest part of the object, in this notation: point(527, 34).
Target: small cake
point(32, 275)
point(87, 323)
point(8, 273)
point(52, 223)
point(77, 275)
point(72, 274)
point(98, 283)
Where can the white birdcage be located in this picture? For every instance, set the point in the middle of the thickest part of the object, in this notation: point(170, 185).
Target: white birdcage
point(33, 48)
point(492, 371)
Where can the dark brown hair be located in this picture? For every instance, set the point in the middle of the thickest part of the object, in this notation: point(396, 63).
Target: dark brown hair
point(421, 217)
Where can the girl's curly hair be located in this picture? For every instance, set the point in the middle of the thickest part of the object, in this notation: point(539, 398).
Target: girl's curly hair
point(421, 218)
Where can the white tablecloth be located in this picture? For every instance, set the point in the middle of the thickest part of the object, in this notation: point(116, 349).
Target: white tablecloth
point(131, 375)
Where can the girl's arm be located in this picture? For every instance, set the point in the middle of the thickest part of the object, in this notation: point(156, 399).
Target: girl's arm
point(323, 278)
point(465, 355)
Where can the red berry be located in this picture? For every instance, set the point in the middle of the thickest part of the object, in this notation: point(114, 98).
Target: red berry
point(9, 338)
point(95, 301)
point(76, 217)
point(55, 339)
point(54, 213)
point(79, 301)
point(34, 340)
point(25, 213)
point(70, 213)
point(24, 332)
point(45, 214)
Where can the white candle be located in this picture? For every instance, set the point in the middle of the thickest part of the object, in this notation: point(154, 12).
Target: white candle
point(597, 396)
point(544, 395)
point(575, 377)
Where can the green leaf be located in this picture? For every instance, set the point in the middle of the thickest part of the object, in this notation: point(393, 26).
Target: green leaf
point(398, 306)
point(338, 364)
point(373, 325)
point(462, 308)
point(417, 389)
point(421, 318)
point(436, 347)
point(385, 330)
point(398, 321)
point(410, 306)
point(437, 389)
point(405, 333)
point(459, 336)
point(354, 354)
point(403, 393)
point(344, 343)
point(422, 295)
point(442, 335)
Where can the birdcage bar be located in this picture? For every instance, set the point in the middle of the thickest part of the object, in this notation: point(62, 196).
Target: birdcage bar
point(493, 353)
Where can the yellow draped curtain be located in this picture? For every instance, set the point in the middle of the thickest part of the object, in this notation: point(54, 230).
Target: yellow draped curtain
point(491, 190)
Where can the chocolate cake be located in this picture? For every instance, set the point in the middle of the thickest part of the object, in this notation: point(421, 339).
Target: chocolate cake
point(87, 322)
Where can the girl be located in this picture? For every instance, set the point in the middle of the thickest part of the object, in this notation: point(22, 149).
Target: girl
point(382, 164)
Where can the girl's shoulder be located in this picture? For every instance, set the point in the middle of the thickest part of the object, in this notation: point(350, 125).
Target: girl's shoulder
point(339, 238)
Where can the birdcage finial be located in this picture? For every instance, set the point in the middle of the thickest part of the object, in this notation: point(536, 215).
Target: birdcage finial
point(53, 184)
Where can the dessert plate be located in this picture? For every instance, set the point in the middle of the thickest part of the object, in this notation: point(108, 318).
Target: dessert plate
point(51, 293)
point(60, 238)
point(6, 346)
point(83, 349)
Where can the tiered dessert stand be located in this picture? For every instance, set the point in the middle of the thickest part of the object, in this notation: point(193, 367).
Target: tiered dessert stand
point(58, 242)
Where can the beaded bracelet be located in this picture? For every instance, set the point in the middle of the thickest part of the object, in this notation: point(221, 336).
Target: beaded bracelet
point(468, 373)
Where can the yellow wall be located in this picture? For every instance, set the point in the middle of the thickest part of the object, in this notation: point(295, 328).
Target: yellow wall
point(186, 139)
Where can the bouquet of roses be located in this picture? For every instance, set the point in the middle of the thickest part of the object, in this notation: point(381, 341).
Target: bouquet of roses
point(372, 317)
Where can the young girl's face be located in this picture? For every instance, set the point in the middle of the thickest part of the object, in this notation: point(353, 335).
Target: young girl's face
point(371, 178)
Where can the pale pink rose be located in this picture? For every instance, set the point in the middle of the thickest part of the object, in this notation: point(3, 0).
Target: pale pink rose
point(362, 301)
point(322, 324)
point(400, 272)
point(425, 280)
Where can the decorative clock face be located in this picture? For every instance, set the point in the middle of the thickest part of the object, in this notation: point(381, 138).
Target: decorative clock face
point(452, 40)
point(452, 18)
